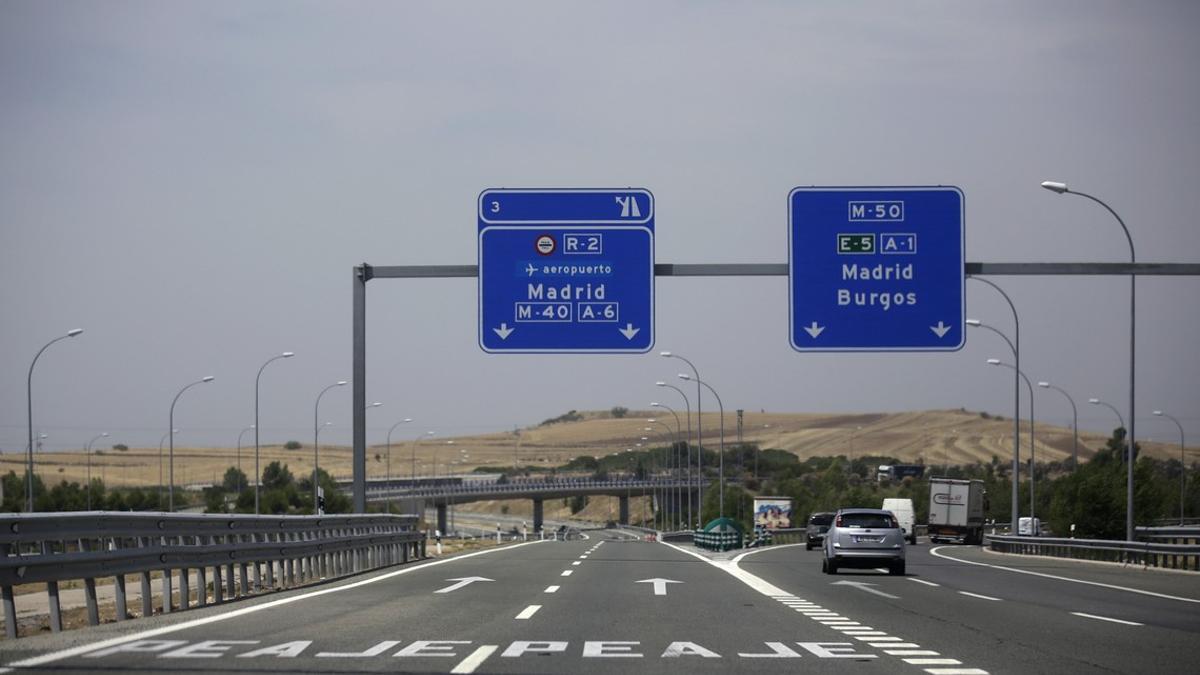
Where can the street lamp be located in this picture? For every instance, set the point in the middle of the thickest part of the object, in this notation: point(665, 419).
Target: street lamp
point(699, 434)
point(162, 441)
point(1032, 444)
point(416, 442)
point(670, 457)
point(171, 425)
point(388, 479)
point(1074, 422)
point(721, 462)
point(257, 378)
point(688, 408)
point(89, 468)
point(678, 461)
point(1015, 347)
point(29, 409)
point(1061, 188)
point(1182, 464)
point(316, 429)
point(1096, 401)
point(239, 456)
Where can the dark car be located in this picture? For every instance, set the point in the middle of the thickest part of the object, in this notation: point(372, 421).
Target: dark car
point(814, 532)
point(864, 538)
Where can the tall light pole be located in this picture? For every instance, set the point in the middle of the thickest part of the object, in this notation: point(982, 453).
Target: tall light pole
point(161, 442)
point(678, 460)
point(688, 415)
point(721, 461)
point(89, 468)
point(29, 409)
point(388, 479)
point(257, 379)
point(1016, 347)
point(1074, 422)
point(1061, 188)
point(1032, 440)
point(316, 429)
point(1128, 459)
point(416, 442)
point(171, 425)
point(670, 457)
point(1182, 463)
point(239, 456)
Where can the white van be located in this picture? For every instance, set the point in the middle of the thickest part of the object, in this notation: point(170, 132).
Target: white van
point(903, 510)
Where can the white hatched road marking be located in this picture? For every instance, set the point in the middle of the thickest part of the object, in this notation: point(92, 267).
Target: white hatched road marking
point(528, 612)
point(1105, 618)
point(474, 660)
point(934, 662)
point(567, 573)
point(552, 589)
point(911, 652)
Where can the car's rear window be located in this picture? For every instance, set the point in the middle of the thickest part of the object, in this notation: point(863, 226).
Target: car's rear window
point(821, 519)
point(867, 520)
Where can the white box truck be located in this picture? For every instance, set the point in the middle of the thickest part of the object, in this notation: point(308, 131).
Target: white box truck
point(956, 510)
point(905, 515)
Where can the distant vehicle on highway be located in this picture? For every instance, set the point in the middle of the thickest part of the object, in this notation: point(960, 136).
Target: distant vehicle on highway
point(1029, 527)
point(905, 514)
point(864, 538)
point(956, 510)
point(814, 531)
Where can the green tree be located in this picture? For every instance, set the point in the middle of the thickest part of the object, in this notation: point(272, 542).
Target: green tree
point(234, 480)
point(276, 476)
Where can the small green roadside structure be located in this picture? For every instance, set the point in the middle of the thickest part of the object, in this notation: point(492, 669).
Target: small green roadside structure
point(721, 534)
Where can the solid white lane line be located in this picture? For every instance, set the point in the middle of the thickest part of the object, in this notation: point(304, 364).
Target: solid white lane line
point(1105, 618)
point(142, 635)
point(981, 597)
point(551, 589)
point(528, 612)
point(567, 573)
point(922, 581)
point(935, 552)
point(474, 660)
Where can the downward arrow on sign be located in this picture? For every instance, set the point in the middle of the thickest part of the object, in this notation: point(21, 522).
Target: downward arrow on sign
point(504, 331)
point(940, 329)
point(629, 331)
point(814, 330)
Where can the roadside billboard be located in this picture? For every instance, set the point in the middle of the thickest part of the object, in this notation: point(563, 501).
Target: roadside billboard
point(772, 513)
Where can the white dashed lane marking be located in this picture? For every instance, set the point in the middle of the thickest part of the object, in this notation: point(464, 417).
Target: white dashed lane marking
point(981, 597)
point(567, 573)
point(552, 589)
point(528, 612)
point(1105, 618)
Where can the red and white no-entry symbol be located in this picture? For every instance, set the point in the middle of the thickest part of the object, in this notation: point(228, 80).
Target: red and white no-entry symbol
point(545, 244)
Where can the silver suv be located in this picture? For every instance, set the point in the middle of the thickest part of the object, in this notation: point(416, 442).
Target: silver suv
point(864, 538)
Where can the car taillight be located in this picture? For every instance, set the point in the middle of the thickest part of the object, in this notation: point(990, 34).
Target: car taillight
point(838, 522)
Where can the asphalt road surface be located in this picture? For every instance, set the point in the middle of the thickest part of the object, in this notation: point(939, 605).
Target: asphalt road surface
point(610, 603)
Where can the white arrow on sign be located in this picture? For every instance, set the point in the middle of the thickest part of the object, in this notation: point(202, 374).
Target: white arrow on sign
point(660, 585)
point(504, 331)
point(462, 581)
point(814, 330)
point(864, 586)
point(629, 331)
point(941, 329)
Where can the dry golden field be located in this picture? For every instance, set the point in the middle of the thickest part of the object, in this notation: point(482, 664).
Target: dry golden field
point(935, 437)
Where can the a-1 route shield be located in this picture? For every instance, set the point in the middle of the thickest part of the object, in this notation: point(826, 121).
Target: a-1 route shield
point(568, 271)
point(876, 269)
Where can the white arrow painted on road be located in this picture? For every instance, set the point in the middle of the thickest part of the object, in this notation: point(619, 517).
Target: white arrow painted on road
point(504, 331)
point(629, 331)
point(941, 329)
point(814, 330)
point(660, 585)
point(462, 581)
point(864, 586)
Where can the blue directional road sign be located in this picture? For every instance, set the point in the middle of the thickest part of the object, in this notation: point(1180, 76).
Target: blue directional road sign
point(876, 269)
point(567, 271)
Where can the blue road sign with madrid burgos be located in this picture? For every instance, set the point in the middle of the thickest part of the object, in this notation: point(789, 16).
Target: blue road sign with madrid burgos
point(566, 270)
point(876, 268)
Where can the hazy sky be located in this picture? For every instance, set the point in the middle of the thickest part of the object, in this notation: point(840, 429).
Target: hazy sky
point(192, 183)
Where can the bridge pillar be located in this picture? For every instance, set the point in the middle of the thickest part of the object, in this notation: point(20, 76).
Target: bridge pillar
point(537, 515)
point(441, 517)
point(623, 511)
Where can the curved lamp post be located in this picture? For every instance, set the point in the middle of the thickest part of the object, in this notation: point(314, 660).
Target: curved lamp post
point(29, 409)
point(89, 468)
point(316, 430)
point(1032, 447)
point(688, 415)
point(721, 461)
point(679, 460)
point(1061, 188)
point(171, 425)
point(388, 479)
point(239, 456)
point(666, 491)
point(1074, 422)
point(257, 379)
point(1182, 464)
point(161, 442)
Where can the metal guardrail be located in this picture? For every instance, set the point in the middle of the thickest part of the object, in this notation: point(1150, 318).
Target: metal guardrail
point(287, 550)
point(1145, 553)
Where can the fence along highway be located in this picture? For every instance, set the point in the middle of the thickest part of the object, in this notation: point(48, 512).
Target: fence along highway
point(615, 601)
